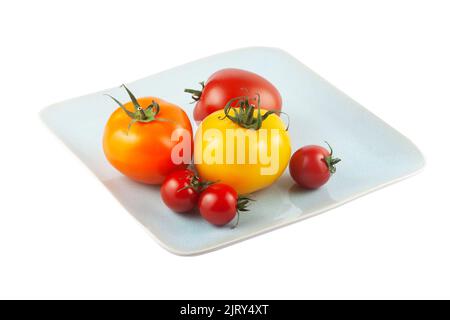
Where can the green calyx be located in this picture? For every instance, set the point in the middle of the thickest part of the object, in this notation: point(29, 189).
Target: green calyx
point(197, 184)
point(245, 114)
point(241, 206)
point(140, 114)
point(196, 94)
point(330, 161)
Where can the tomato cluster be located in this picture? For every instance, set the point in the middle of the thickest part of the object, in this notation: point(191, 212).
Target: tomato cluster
point(140, 141)
point(218, 203)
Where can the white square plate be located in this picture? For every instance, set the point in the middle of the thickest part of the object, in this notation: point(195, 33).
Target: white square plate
point(374, 154)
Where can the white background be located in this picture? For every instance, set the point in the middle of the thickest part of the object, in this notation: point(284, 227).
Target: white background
point(62, 235)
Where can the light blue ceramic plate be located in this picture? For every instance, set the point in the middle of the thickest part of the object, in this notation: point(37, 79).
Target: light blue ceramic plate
point(374, 154)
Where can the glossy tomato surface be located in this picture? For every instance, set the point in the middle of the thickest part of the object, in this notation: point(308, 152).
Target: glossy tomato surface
point(142, 152)
point(177, 191)
point(226, 84)
point(218, 204)
point(219, 133)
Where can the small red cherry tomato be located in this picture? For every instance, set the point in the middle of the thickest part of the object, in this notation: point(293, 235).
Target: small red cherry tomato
point(312, 166)
point(180, 190)
point(219, 204)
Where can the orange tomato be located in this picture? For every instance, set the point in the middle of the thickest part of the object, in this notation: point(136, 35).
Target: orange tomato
point(138, 142)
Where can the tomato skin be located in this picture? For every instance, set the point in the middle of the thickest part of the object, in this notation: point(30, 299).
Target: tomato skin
point(143, 153)
point(176, 193)
point(244, 178)
point(218, 204)
point(308, 167)
point(226, 84)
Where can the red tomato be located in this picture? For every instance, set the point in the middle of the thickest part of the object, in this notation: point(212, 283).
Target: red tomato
point(180, 190)
point(219, 204)
point(226, 84)
point(312, 166)
point(137, 139)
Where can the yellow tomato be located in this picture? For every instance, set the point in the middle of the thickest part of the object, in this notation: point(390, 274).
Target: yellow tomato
point(247, 159)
